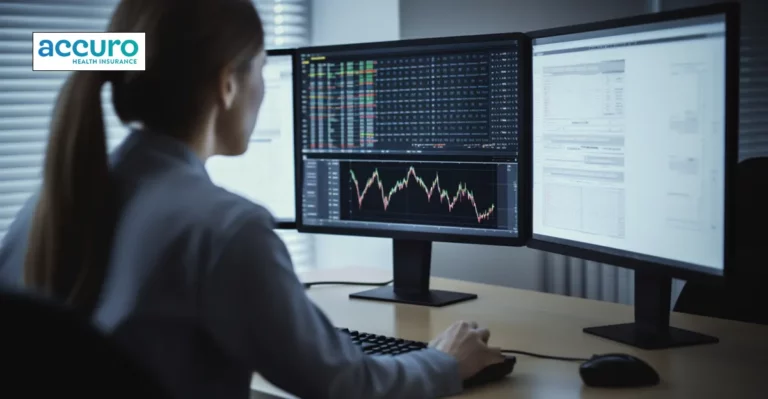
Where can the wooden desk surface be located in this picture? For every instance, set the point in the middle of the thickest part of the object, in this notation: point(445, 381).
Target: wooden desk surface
point(736, 368)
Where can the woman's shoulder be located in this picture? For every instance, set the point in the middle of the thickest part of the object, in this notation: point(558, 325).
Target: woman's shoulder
point(224, 211)
point(225, 222)
point(233, 205)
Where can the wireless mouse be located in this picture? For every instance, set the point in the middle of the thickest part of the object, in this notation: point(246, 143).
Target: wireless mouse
point(616, 370)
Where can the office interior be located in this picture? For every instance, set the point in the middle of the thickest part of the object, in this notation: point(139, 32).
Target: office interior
point(458, 266)
point(534, 269)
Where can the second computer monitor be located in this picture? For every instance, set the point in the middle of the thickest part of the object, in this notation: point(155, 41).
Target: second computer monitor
point(417, 139)
point(634, 143)
point(629, 141)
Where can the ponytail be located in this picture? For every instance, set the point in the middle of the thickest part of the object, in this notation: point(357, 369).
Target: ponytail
point(71, 233)
point(70, 236)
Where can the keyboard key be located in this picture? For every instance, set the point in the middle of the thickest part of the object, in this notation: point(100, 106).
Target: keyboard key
point(381, 345)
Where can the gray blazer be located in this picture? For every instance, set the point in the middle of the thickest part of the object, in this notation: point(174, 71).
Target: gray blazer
point(202, 291)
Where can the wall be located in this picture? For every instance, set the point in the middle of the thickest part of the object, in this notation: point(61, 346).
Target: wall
point(425, 18)
point(354, 21)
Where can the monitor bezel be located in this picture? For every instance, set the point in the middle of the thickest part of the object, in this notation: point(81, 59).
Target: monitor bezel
point(523, 162)
point(285, 224)
point(731, 11)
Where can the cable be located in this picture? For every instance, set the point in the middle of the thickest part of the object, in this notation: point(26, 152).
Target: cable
point(565, 359)
point(380, 284)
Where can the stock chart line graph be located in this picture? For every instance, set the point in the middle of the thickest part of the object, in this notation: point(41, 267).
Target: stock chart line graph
point(462, 193)
point(400, 192)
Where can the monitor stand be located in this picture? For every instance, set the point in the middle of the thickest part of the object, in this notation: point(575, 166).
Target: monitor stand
point(651, 330)
point(412, 264)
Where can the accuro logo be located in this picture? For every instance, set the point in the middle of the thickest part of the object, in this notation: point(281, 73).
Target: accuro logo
point(88, 51)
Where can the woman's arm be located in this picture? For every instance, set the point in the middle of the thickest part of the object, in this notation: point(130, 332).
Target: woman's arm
point(256, 308)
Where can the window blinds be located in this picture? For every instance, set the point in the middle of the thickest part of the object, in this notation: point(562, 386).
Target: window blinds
point(286, 22)
point(753, 88)
point(753, 118)
point(27, 97)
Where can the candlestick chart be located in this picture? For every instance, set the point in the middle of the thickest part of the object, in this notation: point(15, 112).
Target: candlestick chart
point(447, 194)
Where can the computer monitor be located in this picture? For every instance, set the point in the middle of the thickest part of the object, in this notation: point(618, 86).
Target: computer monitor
point(634, 145)
point(415, 140)
point(265, 172)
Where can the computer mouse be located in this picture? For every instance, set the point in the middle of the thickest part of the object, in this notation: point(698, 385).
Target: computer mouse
point(492, 373)
point(617, 370)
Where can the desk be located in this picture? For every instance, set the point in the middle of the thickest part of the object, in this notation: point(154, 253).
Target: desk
point(735, 368)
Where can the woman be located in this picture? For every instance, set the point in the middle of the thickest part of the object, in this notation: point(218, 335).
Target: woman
point(189, 277)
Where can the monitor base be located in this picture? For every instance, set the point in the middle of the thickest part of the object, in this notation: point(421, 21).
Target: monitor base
point(630, 334)
point(412, 263)
point(651, 329)
point(433, 298)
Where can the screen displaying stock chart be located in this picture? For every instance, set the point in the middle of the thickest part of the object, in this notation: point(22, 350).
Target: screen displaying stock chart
point(414, 137)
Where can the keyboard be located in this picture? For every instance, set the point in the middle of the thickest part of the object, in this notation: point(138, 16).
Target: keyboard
point(373, 344)
point(381, 345)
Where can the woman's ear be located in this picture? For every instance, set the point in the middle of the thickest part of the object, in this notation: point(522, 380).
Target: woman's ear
point(228, 88)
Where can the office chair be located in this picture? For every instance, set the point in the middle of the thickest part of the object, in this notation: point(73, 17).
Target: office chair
point(743, 295)
point(50, 351)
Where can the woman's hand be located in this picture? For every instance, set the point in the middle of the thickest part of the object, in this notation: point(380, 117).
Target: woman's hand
point(469, 345)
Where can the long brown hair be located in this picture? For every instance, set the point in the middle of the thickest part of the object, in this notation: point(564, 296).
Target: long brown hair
point(188, 44)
